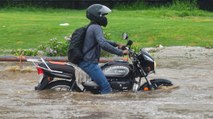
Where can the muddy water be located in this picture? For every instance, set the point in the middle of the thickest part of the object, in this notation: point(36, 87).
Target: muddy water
point(190, 69)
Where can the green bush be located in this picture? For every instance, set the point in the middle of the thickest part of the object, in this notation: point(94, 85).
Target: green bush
point(54, 48)
point(24, 52)
point(184, 5)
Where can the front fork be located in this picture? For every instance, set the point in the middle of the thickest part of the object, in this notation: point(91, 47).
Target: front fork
point(137, 84)
point(150, 86)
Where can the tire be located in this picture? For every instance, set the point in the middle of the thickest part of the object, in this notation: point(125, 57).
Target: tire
point(60, 85)
point(156, 83)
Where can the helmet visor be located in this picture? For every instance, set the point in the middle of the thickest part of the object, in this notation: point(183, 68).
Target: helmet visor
point(104, 10)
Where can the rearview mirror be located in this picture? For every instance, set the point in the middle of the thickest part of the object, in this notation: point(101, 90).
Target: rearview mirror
point(129, 43)
point(125, 36)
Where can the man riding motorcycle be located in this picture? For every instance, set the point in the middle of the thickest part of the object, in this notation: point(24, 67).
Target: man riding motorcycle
point(96, 13)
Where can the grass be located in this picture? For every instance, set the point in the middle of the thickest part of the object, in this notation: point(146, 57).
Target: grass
point(30, 27)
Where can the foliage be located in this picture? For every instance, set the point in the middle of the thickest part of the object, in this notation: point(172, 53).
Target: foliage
point(54, 48)
point(24, 52)
point(173, 5)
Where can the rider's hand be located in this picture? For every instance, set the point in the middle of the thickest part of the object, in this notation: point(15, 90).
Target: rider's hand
point(121, 46)
point(125, 52)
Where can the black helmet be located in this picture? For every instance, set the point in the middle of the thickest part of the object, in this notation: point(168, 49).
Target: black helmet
point(96, 13)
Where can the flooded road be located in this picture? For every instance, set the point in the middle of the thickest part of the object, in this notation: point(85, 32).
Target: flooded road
point(189, 68)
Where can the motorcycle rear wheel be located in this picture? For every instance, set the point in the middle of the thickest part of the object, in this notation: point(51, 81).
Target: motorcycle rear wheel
point(156, 83)
point(60, 85)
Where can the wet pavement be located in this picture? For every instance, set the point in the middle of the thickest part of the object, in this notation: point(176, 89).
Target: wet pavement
point(189, 68)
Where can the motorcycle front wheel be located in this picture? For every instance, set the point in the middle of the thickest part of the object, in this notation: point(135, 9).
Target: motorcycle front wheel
point(156, 83)
point(61, 85)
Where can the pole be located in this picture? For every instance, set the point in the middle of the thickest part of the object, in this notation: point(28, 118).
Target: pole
point(58, 59)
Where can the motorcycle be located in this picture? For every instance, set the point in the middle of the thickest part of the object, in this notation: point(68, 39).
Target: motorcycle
point(122, 75)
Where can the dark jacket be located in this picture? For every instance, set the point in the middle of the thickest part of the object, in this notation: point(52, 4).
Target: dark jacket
point(94, 35)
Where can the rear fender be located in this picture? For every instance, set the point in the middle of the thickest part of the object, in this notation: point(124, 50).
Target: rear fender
point(43, 82)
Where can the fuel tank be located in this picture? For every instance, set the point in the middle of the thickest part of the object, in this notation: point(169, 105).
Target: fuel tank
point(117, 69)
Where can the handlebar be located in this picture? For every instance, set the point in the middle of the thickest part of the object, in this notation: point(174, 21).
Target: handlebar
point(132, 54)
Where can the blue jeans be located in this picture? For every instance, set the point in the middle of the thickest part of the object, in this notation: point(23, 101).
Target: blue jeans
point(95, 72)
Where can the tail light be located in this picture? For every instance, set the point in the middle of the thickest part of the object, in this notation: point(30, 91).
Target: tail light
point(39, 70)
